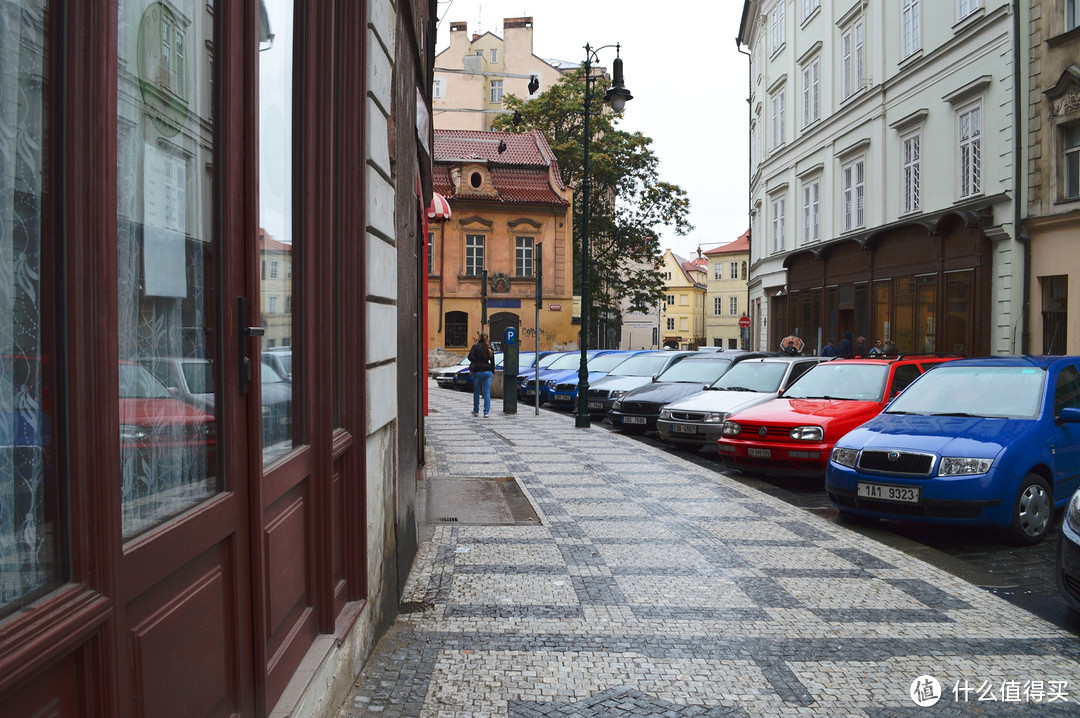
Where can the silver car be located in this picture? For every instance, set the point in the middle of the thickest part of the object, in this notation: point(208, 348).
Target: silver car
point(698, 419)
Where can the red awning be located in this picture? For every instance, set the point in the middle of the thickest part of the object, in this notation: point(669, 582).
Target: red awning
point(439, 209)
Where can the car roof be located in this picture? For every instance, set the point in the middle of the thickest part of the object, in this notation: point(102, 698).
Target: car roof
point(889, 359)
point(1016, 360)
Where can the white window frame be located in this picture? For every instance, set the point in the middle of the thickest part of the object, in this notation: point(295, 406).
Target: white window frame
point(494, 55)
point(910, 28)
point(966, 7)
point(811, 211)
point(733, 306)
point(496, 92)
point(776, 219)
point(777, 27)
point(474, 255)
point(1070, 162)
point(272, 305)
point(776, 109)
point(437, 89)
point(809, 7)
point(524, 256)
point(718, 306)
point(431, 253)
point(733, 270)
point(853, 178)
point(911, 172)
point(852, 58)
point(969, 123)
point(273, 269)
point(718, 270)
point(670, 299)
point(811, 94)
point(670, 324)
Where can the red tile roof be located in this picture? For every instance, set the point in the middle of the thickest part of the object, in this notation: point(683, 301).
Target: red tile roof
point(742, 244)
point(520, 174)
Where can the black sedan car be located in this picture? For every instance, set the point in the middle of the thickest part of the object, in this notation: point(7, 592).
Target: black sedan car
point(1068, 554)
point(638, 410)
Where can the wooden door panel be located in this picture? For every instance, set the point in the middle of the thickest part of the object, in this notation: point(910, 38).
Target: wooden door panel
point(51, 693)
point(183, 634)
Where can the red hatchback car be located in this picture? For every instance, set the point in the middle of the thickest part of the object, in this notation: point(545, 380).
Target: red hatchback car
point(795, 433)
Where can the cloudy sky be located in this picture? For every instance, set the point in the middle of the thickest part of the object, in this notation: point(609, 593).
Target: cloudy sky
point(688, 80)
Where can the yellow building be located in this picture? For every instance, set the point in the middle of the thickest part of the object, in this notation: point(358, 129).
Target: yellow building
point(510, 207)
point(726, 298)
point(474, 74)
point(682, 313)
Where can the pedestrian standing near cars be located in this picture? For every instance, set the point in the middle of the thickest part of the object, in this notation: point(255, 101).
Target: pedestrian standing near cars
point(846, 348)
point(828, 350)
point(482, 368)
point(877, 348)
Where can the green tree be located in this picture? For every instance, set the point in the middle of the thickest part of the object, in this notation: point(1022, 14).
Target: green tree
point(628, 201)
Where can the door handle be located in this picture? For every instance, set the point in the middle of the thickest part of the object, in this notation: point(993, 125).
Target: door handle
point(245, 332)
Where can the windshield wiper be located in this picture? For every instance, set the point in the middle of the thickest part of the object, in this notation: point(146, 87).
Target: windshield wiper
point(956, 413)
point(736, 388)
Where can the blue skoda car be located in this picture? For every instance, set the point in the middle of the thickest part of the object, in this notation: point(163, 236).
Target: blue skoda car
point(980, 442)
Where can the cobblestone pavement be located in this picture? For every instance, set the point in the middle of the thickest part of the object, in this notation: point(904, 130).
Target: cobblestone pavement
point(654, 588)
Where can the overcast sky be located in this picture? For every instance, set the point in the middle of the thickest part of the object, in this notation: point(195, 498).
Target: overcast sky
point(688, 79)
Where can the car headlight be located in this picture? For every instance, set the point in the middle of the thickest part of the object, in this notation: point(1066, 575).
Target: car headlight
point(665, 413)
point(617, 406)
point(731, 428)
point(1072, 514)
point(549, 384)
point(716, 417)
point(807, 433)
point(956, 466)
point(845, 457)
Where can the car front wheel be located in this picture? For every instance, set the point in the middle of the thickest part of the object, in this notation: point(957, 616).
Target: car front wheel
point(1033, 511)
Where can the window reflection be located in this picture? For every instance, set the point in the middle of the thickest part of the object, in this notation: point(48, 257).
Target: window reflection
point(166, 253)
point(32, 535)
point(276, 241)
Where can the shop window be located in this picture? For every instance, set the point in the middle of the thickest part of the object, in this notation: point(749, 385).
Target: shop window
point(925, 316)
point(33, 530)
point(457, 330)
point(958, 332)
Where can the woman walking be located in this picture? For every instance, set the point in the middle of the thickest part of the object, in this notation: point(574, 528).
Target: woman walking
point(482, 368)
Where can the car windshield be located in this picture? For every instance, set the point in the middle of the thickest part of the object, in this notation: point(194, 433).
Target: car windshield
point(696, 371)
point(547, 360)
point(199, 376)
point(138, 383)
point(1005, 392)
point(606, 362)
point(286, 361)
point(567, 361)
point(640, 365)
point(838, 380)
point(271, 376)
point(752, 376)
point(526, 359)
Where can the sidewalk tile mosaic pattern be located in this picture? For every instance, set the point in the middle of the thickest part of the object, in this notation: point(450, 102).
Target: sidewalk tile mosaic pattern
point(654, 588)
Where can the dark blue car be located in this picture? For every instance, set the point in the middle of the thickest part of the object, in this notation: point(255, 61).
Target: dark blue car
point(564, 391)
point(981, 442)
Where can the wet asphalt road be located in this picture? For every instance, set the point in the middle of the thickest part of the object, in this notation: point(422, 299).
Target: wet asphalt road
point(1023, 576)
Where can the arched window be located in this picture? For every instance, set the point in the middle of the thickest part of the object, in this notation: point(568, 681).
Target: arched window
point(743, 273)
point(457, 329)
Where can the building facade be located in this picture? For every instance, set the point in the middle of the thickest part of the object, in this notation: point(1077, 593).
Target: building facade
point(726, 297)
point(511, 214)
point(682, 311)
point(883, 171)
point(183, 191)
point(474, 73)
point(1053, 177)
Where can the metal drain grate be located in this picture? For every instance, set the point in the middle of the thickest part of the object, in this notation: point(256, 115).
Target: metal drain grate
point(448, 519)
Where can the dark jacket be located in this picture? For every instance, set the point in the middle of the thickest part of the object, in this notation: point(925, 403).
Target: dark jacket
point(480, 360)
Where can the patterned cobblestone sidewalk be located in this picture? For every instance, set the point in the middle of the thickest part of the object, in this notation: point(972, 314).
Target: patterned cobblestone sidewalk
point(654, 589)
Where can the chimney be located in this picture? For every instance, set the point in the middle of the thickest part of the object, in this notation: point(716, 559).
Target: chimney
point(518, 41)
point(475, 37)
point(459, 27)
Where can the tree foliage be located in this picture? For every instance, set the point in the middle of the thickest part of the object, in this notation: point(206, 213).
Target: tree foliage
point(628, 201)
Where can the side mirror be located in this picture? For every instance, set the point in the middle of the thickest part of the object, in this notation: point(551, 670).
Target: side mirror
point(1069, 415)
point(655, 377)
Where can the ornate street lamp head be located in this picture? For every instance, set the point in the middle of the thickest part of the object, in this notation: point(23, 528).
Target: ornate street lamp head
point(617, 95)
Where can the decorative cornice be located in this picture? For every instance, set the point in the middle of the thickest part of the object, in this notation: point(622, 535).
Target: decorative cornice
point(965, 93)
point(524, 220)
point(853, 149)
point(908, 121)
point(477, 219)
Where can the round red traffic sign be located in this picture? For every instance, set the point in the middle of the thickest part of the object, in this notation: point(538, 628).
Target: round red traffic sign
point(744, 322)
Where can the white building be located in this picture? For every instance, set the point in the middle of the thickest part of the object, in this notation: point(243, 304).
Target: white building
point(882, 172)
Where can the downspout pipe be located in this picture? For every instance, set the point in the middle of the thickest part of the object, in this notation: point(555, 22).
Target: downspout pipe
point(749, 185)
point(1019, 229)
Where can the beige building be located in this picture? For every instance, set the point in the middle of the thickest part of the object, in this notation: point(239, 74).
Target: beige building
point(1053, 207)
point(474, 74)
point(726, 298)
point(510, 207)
point(682, 313)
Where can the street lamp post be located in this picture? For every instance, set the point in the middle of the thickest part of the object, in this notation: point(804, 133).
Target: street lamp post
point(616, 96)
